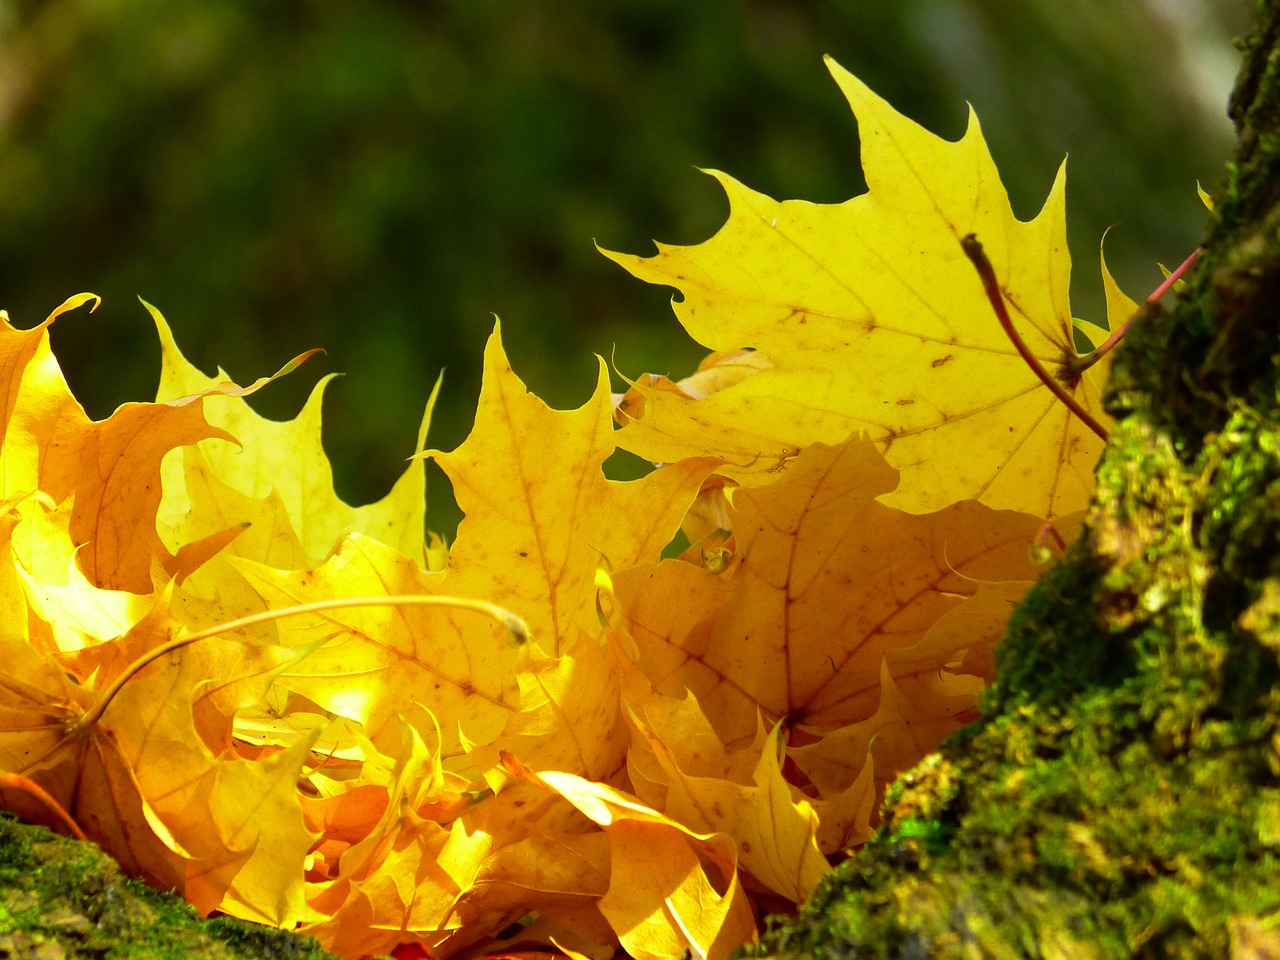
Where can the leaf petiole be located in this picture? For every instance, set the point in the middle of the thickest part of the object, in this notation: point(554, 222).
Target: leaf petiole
point(516, 628)
point(973, 250)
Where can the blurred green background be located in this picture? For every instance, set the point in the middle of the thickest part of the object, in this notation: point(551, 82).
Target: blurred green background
point(380, 178)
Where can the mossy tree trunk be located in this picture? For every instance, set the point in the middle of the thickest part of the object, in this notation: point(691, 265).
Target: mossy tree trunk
point(64, 899)
point(1121, 795)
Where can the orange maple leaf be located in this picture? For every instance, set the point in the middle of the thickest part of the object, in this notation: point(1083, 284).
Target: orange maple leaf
point(826, 581)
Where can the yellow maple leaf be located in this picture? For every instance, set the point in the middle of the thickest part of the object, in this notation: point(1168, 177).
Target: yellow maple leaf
point(17, 349)
point(392, 876)
point(909, 721)
point(543, 856)
point(284, 486)
point(237, 822)
point(112, 466)
point(369, 663)
point(872, 319)
point(71, 613)
point(570, 715)
point(80, 769)
point(776, 831)
point(670, 889)
point(540, 515)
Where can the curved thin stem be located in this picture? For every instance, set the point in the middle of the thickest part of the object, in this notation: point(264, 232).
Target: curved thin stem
point(62, 821)
point(515, 627)
point(973, 250)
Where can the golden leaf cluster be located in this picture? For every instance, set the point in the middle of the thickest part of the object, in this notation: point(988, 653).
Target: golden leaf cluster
point(546, 735)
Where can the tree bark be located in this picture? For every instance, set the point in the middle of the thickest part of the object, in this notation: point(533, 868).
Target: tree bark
point(1120, 796)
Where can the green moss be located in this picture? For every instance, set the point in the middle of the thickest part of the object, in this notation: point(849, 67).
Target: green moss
point(60, 898)
point(1041, 657)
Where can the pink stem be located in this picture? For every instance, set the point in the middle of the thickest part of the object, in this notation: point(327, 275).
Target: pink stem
point(1080, 364)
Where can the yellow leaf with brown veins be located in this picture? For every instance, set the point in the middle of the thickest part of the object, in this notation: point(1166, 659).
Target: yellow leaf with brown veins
point(872, 319)
point(540, 515)
point(570, 715)
point(825, 582)
point(776, 831)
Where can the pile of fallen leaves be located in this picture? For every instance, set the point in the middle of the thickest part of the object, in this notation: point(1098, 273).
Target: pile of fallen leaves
point(307, 714)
